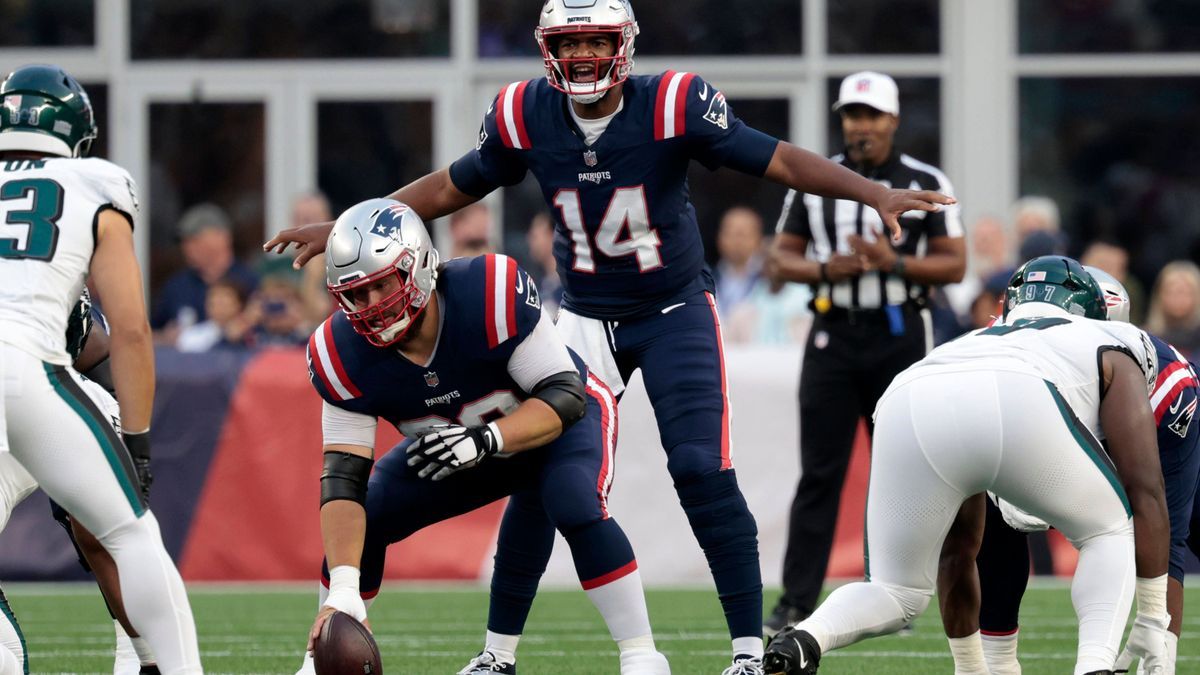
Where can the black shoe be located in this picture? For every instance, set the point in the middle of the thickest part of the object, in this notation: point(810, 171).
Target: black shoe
point(781, 617)
point(792, 652)
point(150, 670)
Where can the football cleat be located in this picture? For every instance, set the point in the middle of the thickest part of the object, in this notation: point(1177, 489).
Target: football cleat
point(485, 663)
point(792, 652)
point(644, 662)
point(781, 617)
point(744, 664)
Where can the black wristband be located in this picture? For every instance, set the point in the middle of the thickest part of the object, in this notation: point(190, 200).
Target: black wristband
point(898, 267)
point(824, 273)
point(138, 444)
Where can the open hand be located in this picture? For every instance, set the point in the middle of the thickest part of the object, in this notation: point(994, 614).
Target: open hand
point(895, 203)
point(309, 240)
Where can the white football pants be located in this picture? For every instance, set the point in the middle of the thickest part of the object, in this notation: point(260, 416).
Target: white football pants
point(68, 445)
point(942, 437)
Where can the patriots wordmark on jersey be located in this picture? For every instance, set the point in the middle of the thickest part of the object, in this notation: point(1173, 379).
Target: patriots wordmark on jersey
point(627, 234)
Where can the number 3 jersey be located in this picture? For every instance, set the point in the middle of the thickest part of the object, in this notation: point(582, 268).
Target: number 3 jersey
point(626, 239)
point(493, 346)
point(49, 214)
point(1059, 348)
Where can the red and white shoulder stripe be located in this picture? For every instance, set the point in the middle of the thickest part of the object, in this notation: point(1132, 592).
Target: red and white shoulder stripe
point(327, 363)
point(500, 302)
point(671, 105)
point(1172, 380)
point(510, 116)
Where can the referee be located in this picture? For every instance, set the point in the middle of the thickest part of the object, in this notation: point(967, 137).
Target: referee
point(871, 320)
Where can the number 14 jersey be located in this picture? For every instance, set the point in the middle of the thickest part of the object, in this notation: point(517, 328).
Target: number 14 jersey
point(49, 212)
point(626, 238)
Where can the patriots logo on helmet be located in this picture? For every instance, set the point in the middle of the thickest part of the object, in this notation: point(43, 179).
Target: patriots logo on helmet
point(387, 223)
point(718, 111)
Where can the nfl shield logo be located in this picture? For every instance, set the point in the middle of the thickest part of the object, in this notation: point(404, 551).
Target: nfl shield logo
point(431, 379)
point(589, 158)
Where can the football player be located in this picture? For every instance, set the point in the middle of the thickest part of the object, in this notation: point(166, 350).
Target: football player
point(1015, 409)
point(460, 358)
point(610, 151)
point(1003, 554)
point(65, 218)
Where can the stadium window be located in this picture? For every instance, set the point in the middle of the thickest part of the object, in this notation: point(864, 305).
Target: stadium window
point(227, 169)
point(884, 26)
point(1122, 158)
point(62, 23)
point(1098, 27)
point(682, 27)
point(919, 135)
point(370, 148)
point(283, 29)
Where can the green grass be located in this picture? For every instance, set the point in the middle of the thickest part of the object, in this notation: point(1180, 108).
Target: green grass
point(423, 630)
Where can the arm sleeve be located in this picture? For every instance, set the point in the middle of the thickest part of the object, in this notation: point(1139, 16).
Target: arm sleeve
point(541, 354)
point(342, 427)
point(490, 165)
point(717, 138)
point(793, 219)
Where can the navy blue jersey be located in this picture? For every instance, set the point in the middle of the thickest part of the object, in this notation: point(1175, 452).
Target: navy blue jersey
point(626, 239)
point(1173, 399)
point(488, 307)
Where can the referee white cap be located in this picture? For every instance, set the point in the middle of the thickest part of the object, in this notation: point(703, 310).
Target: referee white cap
point(871, 89)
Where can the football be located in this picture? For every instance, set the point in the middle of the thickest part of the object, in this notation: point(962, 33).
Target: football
point(345, 647)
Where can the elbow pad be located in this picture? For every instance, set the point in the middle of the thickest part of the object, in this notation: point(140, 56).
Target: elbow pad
point(563, 392)
point(345, 477)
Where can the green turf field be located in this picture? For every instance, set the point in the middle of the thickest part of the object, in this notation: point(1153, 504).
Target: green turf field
point(259, 629)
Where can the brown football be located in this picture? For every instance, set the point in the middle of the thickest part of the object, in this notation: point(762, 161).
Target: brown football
point(345, 647)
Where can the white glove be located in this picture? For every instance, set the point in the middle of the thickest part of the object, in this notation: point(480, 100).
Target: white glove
point(343, 592)
point(1148, 643)
point(1018, 519)
point(447, 448)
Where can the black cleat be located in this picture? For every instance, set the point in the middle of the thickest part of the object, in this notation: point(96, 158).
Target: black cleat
point(486, 663)
point(781, 617)
point(792, 652)
point(151, 669)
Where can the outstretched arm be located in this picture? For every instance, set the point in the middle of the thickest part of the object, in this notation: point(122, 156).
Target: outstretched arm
point(431, 196)
point(809, 172)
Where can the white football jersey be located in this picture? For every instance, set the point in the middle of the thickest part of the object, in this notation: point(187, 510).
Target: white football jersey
point(1042, 340)
point(49, 212)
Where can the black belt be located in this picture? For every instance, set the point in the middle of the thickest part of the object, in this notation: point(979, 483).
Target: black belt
point(855, 315)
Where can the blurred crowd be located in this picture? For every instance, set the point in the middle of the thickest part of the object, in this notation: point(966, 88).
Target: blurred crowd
point(220, 302)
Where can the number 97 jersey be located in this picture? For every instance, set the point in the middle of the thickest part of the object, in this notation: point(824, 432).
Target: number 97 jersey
point(49, 214)
point(626, 239)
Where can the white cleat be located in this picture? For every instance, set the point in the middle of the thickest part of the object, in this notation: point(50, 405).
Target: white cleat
point(745, 665)
point(644, 663)
point(308, 667)
point(126, 661)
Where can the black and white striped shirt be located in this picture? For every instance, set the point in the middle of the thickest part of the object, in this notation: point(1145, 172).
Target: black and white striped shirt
point(828, 223)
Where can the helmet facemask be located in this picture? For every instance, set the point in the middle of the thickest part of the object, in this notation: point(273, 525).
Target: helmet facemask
point(388, 321)
point(610, 71)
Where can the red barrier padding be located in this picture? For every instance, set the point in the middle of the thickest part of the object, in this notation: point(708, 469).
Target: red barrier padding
point(258, 512)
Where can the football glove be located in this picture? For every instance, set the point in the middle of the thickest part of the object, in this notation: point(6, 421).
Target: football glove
point(1017, 519)
point(1148, 643)
point(447, 448)
point(139, 450)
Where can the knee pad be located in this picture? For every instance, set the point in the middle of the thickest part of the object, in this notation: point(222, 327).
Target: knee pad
point(716, 508)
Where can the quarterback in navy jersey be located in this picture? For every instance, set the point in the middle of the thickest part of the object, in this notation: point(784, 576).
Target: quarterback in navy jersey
point(1003, 555)
point(611, 151)
point(459, 357)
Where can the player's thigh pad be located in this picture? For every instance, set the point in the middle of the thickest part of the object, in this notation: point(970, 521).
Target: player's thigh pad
point(591, 340)
point(68, 445)
point(1052, 466)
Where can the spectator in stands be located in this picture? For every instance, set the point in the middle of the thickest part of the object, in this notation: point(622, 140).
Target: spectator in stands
point(206, 239)
point(470, 231)
point(740, 266)
point(540, 240)
point(227, 325)
point(1034, 214)
point(316, 302)
point(1114, 259)
point(1174, 312)
point(279, 314)
point(989, 253)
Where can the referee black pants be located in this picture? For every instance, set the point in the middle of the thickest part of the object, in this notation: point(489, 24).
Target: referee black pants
point(849, 361)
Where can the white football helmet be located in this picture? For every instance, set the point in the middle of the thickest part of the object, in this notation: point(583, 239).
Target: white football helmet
point(561, 17)
point(1116, 298)
point(371, 241)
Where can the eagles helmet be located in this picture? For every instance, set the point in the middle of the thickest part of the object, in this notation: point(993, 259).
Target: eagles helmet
point(45, 110)
point(563, 17)
point(1116, 298)
point(1056, 280)
point(370, 242)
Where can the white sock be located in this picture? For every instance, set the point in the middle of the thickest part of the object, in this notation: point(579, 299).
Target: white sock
point(968, 655)
point(1001, 654)
point(622, 603)
point(748, 646)
point(857, 611)
point(503, 647)
point(642, 643)
point(125, 657)
point(154, 595)
point(1102, 592)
